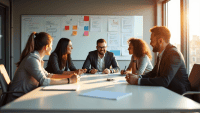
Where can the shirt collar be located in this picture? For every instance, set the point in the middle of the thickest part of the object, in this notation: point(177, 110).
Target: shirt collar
point(100, 57)
point(160, 54)
point(37, 54)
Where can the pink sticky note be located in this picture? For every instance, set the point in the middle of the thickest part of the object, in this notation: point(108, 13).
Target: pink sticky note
point(86, 33)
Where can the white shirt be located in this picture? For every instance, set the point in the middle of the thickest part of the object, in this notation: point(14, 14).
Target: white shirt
point(101, 63)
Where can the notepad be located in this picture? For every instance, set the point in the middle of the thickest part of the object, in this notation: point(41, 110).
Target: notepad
point(65, 87)
point(106, 94)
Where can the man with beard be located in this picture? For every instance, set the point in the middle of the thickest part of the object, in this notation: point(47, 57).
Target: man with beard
point(101, 60)
point(170, 70)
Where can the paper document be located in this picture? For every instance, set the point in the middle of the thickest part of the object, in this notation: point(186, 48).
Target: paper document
point(106, 94)
point(65, 87)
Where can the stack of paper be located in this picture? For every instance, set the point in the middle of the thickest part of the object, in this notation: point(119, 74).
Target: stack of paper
point(66, 87)
point(106, 94)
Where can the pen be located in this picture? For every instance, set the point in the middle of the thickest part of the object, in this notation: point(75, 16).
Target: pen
point(125, 68)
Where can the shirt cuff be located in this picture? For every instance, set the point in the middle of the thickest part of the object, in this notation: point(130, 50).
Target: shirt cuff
point(139, 79)
point(46, 82)
point(111, 70)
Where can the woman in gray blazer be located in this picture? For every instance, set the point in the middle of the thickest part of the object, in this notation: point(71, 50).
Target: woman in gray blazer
point(30, 72)
point(141, 57)
point(60, 59)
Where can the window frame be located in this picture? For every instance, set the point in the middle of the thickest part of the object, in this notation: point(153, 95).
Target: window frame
point(184, 27)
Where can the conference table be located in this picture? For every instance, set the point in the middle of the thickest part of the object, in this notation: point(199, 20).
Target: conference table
point(150, 99)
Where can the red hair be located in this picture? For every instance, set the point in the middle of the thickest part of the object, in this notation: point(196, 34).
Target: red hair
point(140, 48)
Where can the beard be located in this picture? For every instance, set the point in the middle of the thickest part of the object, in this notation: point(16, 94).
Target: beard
point(156, 48)
point(102, 52)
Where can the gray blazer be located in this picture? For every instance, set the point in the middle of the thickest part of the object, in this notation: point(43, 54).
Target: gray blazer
point(92, 59)
point(29, 75)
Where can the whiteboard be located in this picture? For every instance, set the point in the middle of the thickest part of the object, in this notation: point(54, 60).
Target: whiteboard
point(84, 31)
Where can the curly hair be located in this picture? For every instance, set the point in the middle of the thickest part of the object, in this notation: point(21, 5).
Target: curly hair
point(140, 48)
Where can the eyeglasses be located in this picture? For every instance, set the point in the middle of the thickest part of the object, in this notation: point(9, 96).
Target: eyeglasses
point(103, 47)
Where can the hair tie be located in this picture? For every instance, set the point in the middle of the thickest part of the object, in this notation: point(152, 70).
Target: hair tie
point(36, 34)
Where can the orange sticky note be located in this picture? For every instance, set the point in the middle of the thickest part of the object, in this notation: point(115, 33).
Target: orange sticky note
point(66, 27)
point(75, 27)
point(86, 18)
point(74, 33)
point(86, 33)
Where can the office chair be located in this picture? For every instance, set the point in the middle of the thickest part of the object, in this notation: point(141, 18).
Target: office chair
point(194, 79)
point(5, 82)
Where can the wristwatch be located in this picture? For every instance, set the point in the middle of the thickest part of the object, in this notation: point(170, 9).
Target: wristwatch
point(68, 80)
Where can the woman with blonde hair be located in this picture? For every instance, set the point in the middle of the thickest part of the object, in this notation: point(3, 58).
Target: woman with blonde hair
point(141, 57)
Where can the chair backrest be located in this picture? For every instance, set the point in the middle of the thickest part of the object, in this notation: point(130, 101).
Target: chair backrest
point(4, 78)
point(5, 82)
point(194, 79)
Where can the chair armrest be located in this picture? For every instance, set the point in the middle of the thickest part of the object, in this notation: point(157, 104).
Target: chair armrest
point(191, 93)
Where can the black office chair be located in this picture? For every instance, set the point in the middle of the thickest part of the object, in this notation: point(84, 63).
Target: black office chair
point(5, 82)
point(194, 79)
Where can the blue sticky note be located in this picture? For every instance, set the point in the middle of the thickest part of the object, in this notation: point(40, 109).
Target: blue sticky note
point(86, 28)
point(116, 52)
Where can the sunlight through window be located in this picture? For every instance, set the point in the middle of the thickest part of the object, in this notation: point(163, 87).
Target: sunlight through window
point(194, 33)
point(173, 20)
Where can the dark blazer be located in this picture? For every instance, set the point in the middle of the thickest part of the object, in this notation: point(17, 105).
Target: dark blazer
point(92, 59)
point(171, 74)
point(53, 66)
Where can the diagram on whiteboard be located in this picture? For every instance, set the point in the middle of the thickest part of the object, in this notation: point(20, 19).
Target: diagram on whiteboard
point(84, 31)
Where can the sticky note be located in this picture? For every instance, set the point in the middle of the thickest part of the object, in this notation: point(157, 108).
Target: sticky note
point(66, 27)
point(86, 33)
point(86, 18)
point(86, 28)
point(74, 27)
point(116, 52)
point(74, 33)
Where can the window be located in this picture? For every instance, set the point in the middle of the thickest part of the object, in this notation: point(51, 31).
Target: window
point(194, 59)
point(193, 52)
point(173, 21)
point(194, 32)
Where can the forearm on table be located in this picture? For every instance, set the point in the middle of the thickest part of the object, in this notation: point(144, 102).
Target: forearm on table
point(68, 72)
point(58, 81)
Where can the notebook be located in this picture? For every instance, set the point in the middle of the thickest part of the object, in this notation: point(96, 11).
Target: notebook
point(105, 94)
point(65, 87)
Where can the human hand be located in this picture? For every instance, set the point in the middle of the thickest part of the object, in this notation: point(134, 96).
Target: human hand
point(132, 79)
point(74, 78)
point(106, 71)
point(93, 71)
point(125, 72)
point(85, 70)
point(79, 71)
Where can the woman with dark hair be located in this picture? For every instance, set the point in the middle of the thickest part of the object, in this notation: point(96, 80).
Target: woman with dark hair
point(30, 72)
point(60, 60)
point(141, 55)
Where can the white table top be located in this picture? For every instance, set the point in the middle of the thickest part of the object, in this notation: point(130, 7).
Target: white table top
point(143, 98)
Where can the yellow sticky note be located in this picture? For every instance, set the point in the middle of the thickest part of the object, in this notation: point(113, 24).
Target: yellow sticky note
point(75, 27)
point(74, 33)
point(86, 33)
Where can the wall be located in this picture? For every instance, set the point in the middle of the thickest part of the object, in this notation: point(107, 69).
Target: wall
point(81, 7)
point(5, 2)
